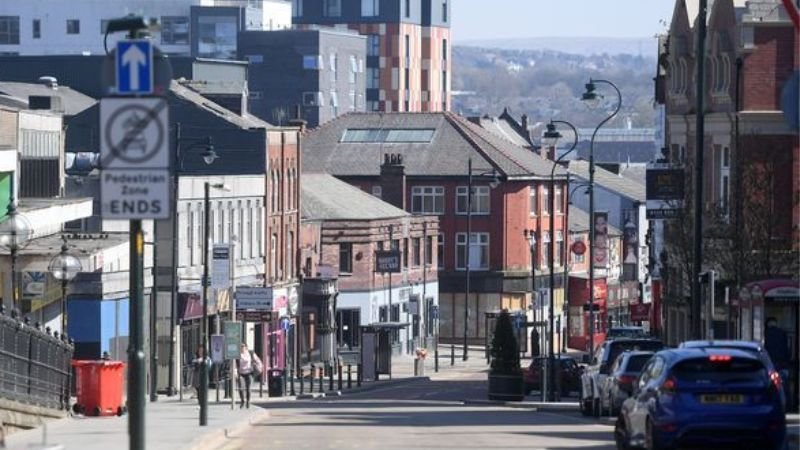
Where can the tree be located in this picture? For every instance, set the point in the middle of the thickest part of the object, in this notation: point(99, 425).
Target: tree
point(505, 350)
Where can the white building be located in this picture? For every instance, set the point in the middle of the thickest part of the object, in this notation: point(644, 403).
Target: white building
point(57, 27)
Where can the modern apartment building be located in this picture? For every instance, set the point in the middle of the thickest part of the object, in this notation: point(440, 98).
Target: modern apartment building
point(408, 47)
point(320, 71)
point(204, 28)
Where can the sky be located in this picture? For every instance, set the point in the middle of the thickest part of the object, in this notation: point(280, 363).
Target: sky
point(498, 19)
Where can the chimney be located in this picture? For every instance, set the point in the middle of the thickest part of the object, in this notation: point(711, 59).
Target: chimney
point(51, 82)
point(393, 180)
point(298, 120)
point(525, 122)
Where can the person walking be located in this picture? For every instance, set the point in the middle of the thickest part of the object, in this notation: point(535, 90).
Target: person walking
point(250, 365)
point(197, 366)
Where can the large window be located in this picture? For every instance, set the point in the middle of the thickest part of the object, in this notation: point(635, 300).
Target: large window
point(273, 257)
point(216, 36)
point(444, 49)
point(297, 8)
point(332, 8)
point(724, 180)
point(73, 26)
point(373, 45)
point(480, 200)
point(370, 8)
point(559, 199)
point(427, 199)
point(346, 257)
point(37, 28)
point(533, 206)
point(380, 135)
point(353, 69)
point(332, 59)
point(545, 249)
point(478, 251)
point(559, 256)
point(428, 250)
point(546, 200)
point(373, 78)
point(175, 30)
point(416, 246)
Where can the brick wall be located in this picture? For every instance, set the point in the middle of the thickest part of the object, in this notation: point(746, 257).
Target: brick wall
point(767, 68)
point(282, 206)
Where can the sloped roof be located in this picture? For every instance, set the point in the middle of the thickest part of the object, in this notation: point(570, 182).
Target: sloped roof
point(72, 101)
point(501, 127)
point(609, 180)
point(324, 197)
point(454, 141)
point(579, 222)
point(245, 121)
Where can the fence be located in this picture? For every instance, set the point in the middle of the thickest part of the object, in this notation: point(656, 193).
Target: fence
point(34, 364)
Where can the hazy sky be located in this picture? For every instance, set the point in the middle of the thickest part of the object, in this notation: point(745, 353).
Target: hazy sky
point(489, 19)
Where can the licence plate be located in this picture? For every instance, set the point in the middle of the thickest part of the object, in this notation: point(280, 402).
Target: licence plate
point(722, 399)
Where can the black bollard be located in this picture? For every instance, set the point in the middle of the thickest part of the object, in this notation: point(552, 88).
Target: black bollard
point(349, 376)
point(452, 354)
point(436, 359)
point(358, 375)
point(330, 378)
point(321, 379)
point(291, 381)
point(301, 381)
point(339, 366)
point(311, 379)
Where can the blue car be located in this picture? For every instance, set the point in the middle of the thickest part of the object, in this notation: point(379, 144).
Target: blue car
point(703, 397)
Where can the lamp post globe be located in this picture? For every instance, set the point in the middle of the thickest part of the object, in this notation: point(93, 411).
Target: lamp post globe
point(551, 136)
point(15, 232)
point(64, 267)
point(591, 98)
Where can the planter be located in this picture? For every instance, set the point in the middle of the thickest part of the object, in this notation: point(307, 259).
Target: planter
point(509, 388)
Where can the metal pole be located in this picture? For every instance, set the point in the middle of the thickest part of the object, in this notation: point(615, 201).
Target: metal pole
point(136, 374)
point(468, 262)
point(174, 271)
point(64, 306)
point(204, 325)
point(699, 175)
point(14, 304)
point(551, 299)
point(710, 321)
point(232, 370)
point(154, 322)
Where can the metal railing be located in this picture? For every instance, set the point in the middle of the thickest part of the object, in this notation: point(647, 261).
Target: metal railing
point(34, 364)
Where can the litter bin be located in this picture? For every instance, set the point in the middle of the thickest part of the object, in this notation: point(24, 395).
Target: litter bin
point(98, 385)
point(275, 382)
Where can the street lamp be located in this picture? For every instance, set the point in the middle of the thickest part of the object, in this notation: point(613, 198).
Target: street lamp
point(15, 232)
point(209, 156)
point(64, 267)
point(530, 235)
point(493, 184)
point(551, 136)
point(206, 282)
point(592, 100)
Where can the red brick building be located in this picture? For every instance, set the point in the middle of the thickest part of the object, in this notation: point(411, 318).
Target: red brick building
point(419, 163)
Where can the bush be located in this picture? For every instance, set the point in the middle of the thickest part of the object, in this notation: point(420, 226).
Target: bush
point(505, 350)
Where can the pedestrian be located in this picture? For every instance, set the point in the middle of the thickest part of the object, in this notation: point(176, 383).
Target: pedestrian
point(250, 365)
point(777, 345)
point(197, 366)
point(535, 345)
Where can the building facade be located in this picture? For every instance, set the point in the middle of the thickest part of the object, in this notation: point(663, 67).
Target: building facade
point(320, 72)
point(408, 66)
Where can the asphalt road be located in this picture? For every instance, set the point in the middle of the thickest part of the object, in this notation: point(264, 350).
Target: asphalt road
point(423, 415)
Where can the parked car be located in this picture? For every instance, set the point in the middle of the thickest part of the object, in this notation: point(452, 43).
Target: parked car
point(568, 373)
point(701, 397)
point(748, 346)
point(619, 384)
point(630, 332)
point(595, 374)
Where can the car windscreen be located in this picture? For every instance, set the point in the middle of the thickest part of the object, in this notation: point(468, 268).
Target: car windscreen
point(626, 333)
point(637, 362)
point(720, 370)
point(618, 347)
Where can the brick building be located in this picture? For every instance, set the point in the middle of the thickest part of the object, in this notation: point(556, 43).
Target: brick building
point(428, 174)
point(751, 181)
point(344, 227)
point(408, 47)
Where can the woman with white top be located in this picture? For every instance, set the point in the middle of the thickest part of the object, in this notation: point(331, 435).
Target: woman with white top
point(249, 365)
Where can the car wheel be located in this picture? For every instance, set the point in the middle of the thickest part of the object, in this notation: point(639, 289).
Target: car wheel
point(596, 412)
point(621, 435)
point(650, 438)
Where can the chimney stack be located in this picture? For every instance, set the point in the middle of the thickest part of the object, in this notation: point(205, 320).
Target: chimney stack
point(298, 120)
point(393, 180)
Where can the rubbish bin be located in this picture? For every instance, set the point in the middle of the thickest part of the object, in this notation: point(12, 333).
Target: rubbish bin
point(98, 385)
point(275, 382)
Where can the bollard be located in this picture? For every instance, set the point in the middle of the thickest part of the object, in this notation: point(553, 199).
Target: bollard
point(436, 359)
point(321, 379)
point(261, 386)
point(452, 354)
point(340, 376)
point(301, 381)
point(311, 379)
point(358, 375)
point(330, 378)
point(349, 376)
point(291, 381)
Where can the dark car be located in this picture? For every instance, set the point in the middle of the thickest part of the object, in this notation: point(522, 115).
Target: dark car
point(569, 374)
point(703, 397)
point(594, 375)
point(630, 332)
point(619, 384)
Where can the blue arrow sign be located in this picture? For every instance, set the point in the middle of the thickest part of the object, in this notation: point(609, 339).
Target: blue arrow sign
point(134, 66)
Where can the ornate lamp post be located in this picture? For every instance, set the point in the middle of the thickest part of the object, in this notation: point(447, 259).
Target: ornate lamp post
point(15, 232)
point(64, 267)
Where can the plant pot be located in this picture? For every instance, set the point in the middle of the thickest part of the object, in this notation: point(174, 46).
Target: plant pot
point(509, 388)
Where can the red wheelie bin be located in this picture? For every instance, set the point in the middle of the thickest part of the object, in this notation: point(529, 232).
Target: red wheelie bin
point(98, 386)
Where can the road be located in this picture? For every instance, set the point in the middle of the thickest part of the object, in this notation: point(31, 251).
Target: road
point(422, 414)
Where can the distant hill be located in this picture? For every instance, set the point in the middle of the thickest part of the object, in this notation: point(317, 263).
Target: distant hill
point(548, 84)
point(576, 45)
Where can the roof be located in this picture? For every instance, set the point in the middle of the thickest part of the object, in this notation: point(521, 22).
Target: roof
point(245, 121)
point(608, 180)
point(215, 87)
point(72, 101)
point(455, 140)
point(579, 221)
point(324, 197)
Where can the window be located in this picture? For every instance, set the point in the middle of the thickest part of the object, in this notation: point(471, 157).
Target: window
point(353, 69)
point(312, 62)
point(545, 248)
point(428, 250)
point(558, 199)
point(427, 199)
point(408, 8)
point(37, 28)
point(377, 191)
point(480, 200)
point(332, 8)
point(73, 26)
point(532, 205)
point(9, 30)
point(221, 223)
point(297, 8)
point(373, 78)
point(353, 101)
point(444, 81)
point(375, 135)
point(373, 45)
point(231, 221)
point(444, 49)
point(546, 200)
point(416, 247)
point(332, 59)
point(250, 240)
point(406, 250)
point(725, 183)
point(373, 106)
point(259, 229)
point(190, 235)
point(440, 251)
point(370, 8)
point(346, 257)
point(241, 230)
point(273, 257)
point(559, 256)
point(313, 99)
point(444, 11)
point(408, 48)
point(334, 103)
point(175, 30)
point(290, 254)
point(478, 251)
